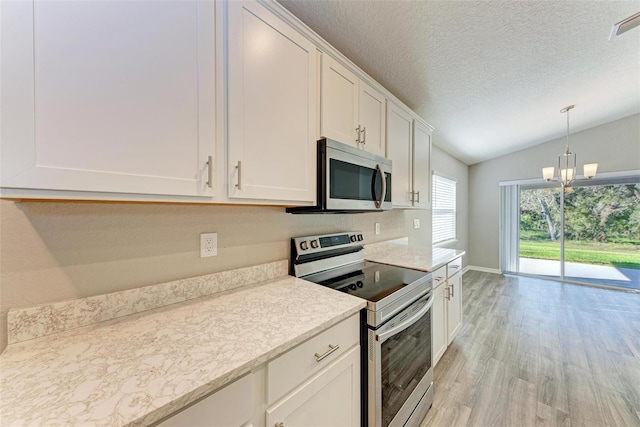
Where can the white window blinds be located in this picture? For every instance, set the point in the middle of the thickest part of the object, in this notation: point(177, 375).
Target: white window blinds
point(443, 209)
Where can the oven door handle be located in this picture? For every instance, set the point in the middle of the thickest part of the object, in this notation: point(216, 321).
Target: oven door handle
point(405, 324)
point(384, 187)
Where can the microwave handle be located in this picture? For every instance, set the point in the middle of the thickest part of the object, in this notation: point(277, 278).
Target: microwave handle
point(384, 187)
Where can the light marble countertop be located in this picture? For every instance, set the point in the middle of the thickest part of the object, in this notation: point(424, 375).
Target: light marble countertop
point(138, 369)
point(399, 252)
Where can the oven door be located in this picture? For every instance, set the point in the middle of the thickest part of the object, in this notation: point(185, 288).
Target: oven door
point(400, 372)
point(356, 182)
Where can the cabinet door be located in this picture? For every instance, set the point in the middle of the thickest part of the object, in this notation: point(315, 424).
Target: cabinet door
point(272, 107)
point(372, 119)
point(339, 101)
point(454, 314)
point(329, 398)
point(229, 406)
point(399, 137)
point(124, 101)
point(422, 165)
point(439, 334)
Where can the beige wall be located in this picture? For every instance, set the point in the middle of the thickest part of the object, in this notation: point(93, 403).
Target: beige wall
point(56, 251)
point(615, 146)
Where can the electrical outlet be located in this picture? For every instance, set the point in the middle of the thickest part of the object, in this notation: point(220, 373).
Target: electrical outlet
point(416, 223)
point(208, 244)
point(377, 228)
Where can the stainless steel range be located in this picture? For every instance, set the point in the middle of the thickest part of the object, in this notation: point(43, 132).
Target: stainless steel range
point(397, 371)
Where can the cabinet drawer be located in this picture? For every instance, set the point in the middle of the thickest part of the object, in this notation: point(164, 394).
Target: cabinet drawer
point(454, 267)
point(439, 276)
point(298, 364)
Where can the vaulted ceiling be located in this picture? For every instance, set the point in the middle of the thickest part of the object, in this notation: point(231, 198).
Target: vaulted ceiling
point(491, 76)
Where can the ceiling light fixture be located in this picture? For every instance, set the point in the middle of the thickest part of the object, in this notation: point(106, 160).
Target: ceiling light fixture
point(568, 174)
point(625, 25)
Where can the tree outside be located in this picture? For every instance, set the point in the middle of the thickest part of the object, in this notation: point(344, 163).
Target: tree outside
point(602, 225)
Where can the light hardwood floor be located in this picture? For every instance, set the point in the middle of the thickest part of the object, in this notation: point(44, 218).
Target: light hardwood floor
point(533, 352)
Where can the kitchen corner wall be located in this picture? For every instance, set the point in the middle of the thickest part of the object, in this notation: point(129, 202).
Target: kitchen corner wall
point(615, 146)
point(54, 251)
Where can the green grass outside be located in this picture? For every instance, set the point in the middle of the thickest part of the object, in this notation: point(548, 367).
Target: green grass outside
point(620, 255)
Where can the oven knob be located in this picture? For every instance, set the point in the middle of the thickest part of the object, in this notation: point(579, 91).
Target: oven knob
point(359, 283)
point(304, 245)
point(314, 244)
point(353, 238)
point(359, 237)
point(352, 286)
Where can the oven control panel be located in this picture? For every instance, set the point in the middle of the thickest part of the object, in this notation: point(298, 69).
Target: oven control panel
point(327, 242)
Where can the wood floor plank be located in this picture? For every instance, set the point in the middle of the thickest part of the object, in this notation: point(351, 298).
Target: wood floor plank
point(536, 352)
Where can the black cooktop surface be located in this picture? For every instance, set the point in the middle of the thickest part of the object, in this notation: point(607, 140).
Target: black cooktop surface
point(370, 280)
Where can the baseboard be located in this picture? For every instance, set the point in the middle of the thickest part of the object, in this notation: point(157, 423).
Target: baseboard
point(483, 269)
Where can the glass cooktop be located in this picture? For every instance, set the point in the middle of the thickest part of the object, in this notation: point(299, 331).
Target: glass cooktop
point(369, 280)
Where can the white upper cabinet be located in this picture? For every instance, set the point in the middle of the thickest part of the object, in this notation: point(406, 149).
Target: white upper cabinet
point(339, 120)
point(352, 111)
point(109, 97)
point(399, 147)
point(272, 103)
point(421, 165)
point(409, 147)
point(372, 119)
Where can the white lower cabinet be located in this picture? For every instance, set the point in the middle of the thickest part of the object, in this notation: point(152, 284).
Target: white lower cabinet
point(454, 309)
point(229, 406)
point(329, 398)
point(447, 307)
point(439, 336)
point(316, 383)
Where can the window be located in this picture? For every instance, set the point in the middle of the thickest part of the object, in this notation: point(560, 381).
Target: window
point(443, 209)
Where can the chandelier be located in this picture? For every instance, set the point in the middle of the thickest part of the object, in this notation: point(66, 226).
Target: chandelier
point(567, 163)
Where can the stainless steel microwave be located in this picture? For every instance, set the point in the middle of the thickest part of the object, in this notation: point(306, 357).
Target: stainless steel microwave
point(349, 180)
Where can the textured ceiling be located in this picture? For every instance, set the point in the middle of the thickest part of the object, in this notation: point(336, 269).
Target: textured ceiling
point(490, 76)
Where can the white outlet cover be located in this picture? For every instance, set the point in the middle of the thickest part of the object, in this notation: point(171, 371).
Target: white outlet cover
point(208, 244)
point(416, 223)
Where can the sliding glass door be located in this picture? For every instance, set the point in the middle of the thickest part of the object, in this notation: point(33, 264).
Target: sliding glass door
point(539, 232)
point(589, 233)
point(601, 228)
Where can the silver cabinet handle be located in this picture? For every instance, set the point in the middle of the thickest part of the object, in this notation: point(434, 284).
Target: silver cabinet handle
point(448, 297)
point(280, 424)
point(332, 348)
point(411, 197)
point(438, 278)
point(210, 171)
point(358, 136)
point(418, 194)
point(364, 135)
point(454, 266)
point(452, 294)
point(239, 169)
point(384, 187)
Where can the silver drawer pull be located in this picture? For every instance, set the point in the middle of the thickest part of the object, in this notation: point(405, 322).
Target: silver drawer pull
point(451, 291)
point(454, 266)
point(332, 348)
point(438, 278)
